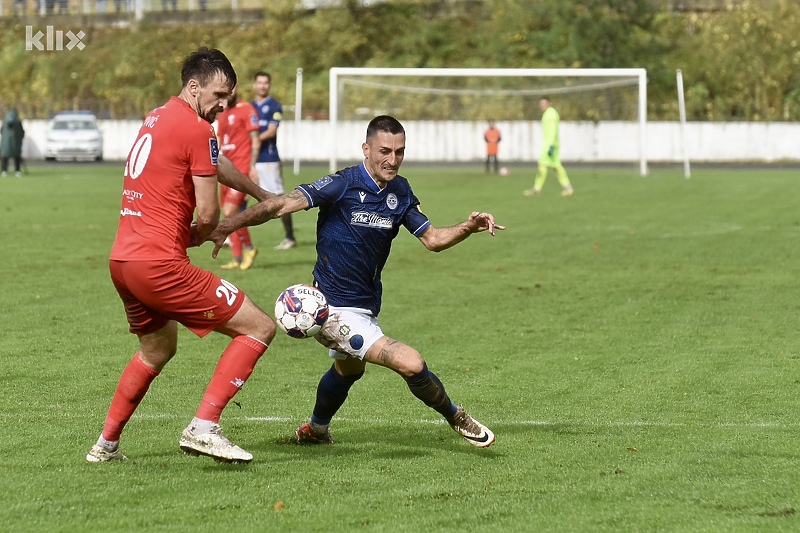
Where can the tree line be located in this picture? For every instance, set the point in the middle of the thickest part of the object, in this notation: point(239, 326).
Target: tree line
point(738, 63)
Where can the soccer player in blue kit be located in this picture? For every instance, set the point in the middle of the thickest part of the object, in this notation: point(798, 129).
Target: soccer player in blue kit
point(361, 209)
point(269, 166)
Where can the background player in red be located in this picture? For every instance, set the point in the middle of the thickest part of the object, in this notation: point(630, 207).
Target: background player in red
point(171, 174)
point(237, 132)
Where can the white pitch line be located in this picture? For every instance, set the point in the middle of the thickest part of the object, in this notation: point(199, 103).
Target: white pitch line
point(491, 422)
point(545, 423)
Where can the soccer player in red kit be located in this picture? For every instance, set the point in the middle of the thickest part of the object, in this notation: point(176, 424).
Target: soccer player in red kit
point(172, 174)
point(237, 132)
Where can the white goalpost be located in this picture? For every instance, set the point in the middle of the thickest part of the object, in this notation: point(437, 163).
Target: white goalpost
point(687, 173)
point(462, 90)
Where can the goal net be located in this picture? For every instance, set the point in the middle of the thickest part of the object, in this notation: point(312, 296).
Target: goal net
point(445, 111)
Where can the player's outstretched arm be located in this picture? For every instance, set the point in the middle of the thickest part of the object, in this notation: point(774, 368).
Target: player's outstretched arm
point(438, 239)
point(274, 207)
point(230, 176)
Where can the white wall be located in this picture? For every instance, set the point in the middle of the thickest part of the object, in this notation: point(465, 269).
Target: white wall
point(463, 141)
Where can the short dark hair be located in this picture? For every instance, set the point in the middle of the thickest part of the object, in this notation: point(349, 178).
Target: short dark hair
point(262, 73)
point(384, 123)
point(204, 64)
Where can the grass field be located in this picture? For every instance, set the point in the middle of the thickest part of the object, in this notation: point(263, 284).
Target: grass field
point(633, 347)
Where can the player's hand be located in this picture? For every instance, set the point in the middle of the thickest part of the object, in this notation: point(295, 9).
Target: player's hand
point(483, 222)
point(218, 237)
point(551, 150)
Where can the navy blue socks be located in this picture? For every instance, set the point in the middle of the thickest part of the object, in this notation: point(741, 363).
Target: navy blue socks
point(331, 394)
point(427, 387)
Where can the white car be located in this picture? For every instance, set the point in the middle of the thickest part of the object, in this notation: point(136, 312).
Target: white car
point(74, 135)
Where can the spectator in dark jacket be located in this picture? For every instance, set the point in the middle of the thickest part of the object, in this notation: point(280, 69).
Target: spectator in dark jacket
point(11, 135)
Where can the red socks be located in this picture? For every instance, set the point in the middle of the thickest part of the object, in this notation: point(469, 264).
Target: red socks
point(234, 367)
point(132, 386)
point(236, 246)
point(239, 239)
point(244, 236)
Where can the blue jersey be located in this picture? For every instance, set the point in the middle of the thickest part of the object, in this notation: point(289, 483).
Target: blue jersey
point(269, 112)
point(356, 225)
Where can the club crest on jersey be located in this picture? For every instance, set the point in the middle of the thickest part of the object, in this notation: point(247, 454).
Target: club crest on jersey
point(214, 150)
point(391, 201)
point(322, 182)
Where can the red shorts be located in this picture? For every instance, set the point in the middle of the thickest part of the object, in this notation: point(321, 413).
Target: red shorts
point(231, 196)
point(155, 292)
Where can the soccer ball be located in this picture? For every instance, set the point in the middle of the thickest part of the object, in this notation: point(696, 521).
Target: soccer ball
point(301, 311)
point(504, 171)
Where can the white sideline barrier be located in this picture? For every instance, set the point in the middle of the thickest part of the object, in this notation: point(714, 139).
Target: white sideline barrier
point(456, 141)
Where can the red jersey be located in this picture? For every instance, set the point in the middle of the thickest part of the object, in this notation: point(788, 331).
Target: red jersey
point(234, 127)
point(158, 199)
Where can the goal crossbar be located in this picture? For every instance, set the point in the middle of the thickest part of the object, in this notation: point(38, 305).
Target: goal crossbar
point(482, 92)
point(639, 74)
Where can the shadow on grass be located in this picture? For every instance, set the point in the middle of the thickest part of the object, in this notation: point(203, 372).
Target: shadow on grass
point(410, 443)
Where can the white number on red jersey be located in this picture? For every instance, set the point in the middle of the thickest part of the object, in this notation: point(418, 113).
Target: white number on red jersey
point(137, 159)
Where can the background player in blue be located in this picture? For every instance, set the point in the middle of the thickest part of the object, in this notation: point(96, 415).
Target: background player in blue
point(361, 209)
point(268, 166)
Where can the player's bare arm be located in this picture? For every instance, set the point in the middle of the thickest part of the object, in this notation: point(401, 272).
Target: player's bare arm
point(207, 209)
point(255, 149)
point(438, 239)
point(274, 207)
point(230, 176)
point(270, 133)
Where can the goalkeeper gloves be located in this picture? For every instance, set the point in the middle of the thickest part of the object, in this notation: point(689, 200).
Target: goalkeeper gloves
point(551, 150)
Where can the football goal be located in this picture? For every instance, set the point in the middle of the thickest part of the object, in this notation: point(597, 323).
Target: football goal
point(604, 110)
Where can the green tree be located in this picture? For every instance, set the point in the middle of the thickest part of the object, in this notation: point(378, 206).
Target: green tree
point(742, 64)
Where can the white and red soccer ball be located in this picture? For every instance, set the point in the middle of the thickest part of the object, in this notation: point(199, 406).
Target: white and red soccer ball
point(301, 311)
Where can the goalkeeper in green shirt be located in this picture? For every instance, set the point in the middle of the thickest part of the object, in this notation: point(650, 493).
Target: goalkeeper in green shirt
point(549, 157)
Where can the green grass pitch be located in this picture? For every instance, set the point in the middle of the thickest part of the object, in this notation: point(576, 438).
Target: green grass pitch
point(633, 347)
